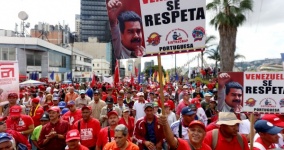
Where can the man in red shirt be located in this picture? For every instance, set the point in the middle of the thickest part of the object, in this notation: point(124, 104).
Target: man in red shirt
point(19, 138)
point(52, 135)
point(73, 114)
point(227, 136)
point(110, 94)
point(107, 133)
point(19, 122)
point(73, 141)
point(196, 134)
point(268, 135)
point(88, 127)
point(36, 111)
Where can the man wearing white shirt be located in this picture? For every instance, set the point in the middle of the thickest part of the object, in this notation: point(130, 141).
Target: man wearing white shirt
point(138, 107)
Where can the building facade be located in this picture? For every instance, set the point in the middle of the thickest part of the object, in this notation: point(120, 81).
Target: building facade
point(94, 20)
point(38, 56)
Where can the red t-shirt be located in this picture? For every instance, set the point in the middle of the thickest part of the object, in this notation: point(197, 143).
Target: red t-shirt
point(21, 124)
point(103, 137)
point(212, 126)
point(183, 145)
point(223, 144)
point(113, 96)
point(72, 117)
point(37, 115)
point(130, 125)
point(89, 131)
point(258, 140)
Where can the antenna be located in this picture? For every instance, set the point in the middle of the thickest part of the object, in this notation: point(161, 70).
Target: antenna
point(23, 16)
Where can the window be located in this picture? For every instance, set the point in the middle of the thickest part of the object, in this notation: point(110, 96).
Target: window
point(98, 65)
point(105, 72)
point(33, 59)
point(57, 60)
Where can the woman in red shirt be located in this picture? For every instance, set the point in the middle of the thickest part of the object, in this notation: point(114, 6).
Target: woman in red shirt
point(128, 121)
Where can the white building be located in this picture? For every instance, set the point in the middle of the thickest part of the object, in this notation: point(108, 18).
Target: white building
point(35, 55)
point(101, 67)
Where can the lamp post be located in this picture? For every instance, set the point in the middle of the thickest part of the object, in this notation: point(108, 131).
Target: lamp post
point(102, 67)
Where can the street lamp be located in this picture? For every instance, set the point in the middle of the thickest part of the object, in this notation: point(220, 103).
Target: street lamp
point(102, 65)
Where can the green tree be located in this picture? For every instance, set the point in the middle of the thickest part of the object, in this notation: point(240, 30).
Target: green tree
point(208, 40)
point(230, 14)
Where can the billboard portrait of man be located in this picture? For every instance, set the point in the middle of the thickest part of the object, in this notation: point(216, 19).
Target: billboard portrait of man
point(230, 93)
point(126, 29)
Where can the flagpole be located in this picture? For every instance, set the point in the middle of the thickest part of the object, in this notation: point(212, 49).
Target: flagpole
point(161, 84)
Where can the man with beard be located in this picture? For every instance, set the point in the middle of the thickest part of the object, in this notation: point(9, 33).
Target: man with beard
point(230, 94)
point(106, 134)
point(52, 135)
point(82, 100)
point(126, 27)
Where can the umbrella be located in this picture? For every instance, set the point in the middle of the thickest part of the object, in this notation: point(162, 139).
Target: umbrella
point(67, 82)
point(31, 83)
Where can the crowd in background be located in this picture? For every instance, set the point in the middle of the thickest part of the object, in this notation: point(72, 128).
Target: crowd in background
point(80, 117)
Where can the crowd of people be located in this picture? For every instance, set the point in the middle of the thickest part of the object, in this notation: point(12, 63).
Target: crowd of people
point(129, 117)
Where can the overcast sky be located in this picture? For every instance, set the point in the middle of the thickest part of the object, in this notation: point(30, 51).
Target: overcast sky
point(260, 37)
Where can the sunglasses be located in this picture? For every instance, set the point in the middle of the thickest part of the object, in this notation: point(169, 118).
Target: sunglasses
point(2, 122)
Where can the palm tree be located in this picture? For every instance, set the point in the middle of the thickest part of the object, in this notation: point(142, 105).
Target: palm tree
point(229, 16)
point(208, 40)
point(214, 54)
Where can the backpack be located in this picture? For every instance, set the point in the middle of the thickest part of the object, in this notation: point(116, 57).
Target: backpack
point(215, 139)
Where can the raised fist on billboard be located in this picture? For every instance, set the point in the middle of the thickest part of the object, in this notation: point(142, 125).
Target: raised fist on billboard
point(230, 92)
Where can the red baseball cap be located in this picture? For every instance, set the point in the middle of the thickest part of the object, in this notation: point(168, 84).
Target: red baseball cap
point(166, 104)
point(196, 102)
point(54, 108)
point(3, 118)
point(35, 100)
point(15, 111)
point(86, 107)
point(72, 135)
point(112, 113)
point(197, 122)
point(274, 119)
point(12, 95)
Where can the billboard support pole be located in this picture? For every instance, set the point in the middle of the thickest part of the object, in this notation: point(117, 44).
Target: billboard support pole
point(161, 83)
point(251, 130)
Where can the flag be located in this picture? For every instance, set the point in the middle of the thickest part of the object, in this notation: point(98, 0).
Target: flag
point(57, 78)
point(142, 76)
point(167, 77)
point(93, 81)
point(136, 72)
point(150, 72)
point(116, 74)
point(52, 75)
point(176, 77)
point(69, 76)
point(132, 79)
point(139, 78)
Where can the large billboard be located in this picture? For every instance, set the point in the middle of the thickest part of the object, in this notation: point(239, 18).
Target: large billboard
point(148, 27)
point(9, 80)
point(261, 92)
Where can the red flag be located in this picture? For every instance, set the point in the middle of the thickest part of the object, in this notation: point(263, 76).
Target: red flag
point(132, 79)
point(93, 81)
point(136, 72)
point(116, 74)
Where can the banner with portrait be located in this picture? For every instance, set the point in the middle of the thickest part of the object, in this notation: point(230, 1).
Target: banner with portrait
point(261, 92)
point(264, 92)
point(9, 80)
point(146, 27)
